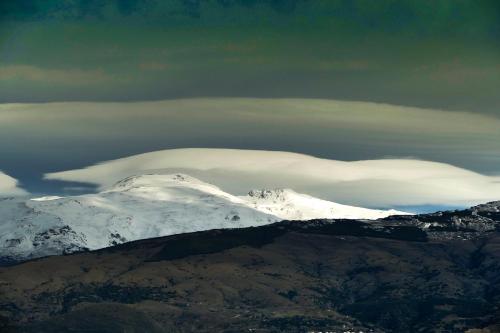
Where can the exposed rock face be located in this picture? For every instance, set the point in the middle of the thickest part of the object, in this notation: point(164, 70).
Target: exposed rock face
point(392, 275)
point(467, 223)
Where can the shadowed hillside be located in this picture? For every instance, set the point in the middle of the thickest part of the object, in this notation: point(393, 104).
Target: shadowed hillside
point(393, 275)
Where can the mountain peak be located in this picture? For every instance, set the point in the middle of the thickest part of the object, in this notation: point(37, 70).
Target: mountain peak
point(154, 180)
point(266, 194)
point(290, 205)
point(151, 205)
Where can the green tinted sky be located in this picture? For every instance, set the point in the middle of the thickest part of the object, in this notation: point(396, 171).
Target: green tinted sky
point(440, 54)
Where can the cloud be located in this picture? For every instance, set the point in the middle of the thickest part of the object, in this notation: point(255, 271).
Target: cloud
point(370, 183)
point(325, 128)
point(65, 76)
point(153, 66)
point(9, 186)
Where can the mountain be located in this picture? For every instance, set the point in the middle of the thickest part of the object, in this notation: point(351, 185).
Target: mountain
point(290, 205)
point(426, 273)
point(458, 224)
point(147, 206)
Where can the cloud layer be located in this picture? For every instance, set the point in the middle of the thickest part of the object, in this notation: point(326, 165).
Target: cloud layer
point(9, 186)
point(323, 128)
point(370, 183)
point(435, 54)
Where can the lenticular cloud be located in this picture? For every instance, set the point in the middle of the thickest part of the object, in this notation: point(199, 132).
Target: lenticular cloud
point(370, 183)
point(8, 186)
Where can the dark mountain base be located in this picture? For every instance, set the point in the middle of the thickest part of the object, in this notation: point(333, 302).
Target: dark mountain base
point(286, 277)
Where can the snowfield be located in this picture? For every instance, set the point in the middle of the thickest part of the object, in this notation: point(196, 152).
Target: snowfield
point(290, 205)
point(148, 206)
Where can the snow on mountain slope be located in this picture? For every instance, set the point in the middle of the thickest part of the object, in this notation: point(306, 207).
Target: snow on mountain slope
point(135, 208)
point(147, 206)
point(290, 205)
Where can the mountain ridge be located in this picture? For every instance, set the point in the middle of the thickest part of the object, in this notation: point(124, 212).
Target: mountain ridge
point(144, 206)
point(389, 275)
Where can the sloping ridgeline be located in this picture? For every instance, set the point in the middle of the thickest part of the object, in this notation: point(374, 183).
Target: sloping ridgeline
point(423, 273)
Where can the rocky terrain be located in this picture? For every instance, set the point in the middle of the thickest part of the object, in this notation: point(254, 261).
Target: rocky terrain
point(428, 273)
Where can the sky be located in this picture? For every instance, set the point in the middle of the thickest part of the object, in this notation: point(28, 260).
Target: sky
point(438, 54)
point(82, 82)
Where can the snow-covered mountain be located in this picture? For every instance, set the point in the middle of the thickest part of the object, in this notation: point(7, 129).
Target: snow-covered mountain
point(148, 206)
point(290, 205)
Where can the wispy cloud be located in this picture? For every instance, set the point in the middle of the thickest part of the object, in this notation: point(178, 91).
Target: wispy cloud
point(153, 66)
point(50, 75)
point(371, 183)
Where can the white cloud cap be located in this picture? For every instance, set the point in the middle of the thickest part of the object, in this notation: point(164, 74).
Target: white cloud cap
point(370, 183)
point(9, 186)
